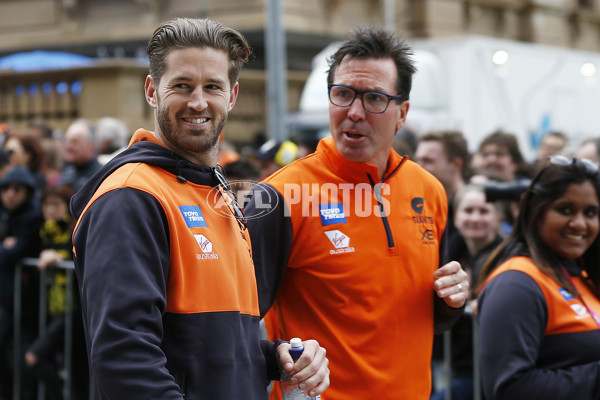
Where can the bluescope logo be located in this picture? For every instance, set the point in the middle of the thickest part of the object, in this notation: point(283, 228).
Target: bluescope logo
point(206, 248)
point(424, 222)
point(193, 216)
point(332, 213)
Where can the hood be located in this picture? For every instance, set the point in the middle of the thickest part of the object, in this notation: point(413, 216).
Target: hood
point(18, 175)
point(144, 148)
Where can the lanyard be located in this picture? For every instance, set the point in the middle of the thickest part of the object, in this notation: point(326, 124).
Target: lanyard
point(592, 313)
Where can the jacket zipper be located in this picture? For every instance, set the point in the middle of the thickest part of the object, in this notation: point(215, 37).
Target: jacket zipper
point(383, 215)
point(379, 198)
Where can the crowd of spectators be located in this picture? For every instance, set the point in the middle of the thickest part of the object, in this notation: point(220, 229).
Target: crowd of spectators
point(41, 168)
point(484, 203)
point(484, 189)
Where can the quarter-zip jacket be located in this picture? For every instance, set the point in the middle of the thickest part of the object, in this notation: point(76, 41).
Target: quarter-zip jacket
point(537, 340)
point(358, 280)
point(167, 283)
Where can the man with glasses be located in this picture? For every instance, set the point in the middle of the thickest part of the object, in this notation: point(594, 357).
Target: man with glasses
point(347, 241)
point(504, 173)
point(162, 252)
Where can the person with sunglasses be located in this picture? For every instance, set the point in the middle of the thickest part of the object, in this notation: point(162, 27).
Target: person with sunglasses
point(539, 307)
point(348, 242)
point(162, 252)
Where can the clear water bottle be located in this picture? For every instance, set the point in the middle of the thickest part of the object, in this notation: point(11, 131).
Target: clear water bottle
point(289, 390)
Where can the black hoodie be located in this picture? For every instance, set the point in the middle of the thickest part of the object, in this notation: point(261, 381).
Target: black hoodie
point(144, 341)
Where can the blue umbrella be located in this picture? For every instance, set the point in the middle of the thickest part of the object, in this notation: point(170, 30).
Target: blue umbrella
point(41, 60)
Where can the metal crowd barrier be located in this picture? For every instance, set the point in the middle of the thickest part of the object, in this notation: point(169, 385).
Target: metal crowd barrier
point(69, 268)
point(448, 361)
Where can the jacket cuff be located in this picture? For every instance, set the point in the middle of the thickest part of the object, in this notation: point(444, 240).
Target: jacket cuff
point(269, 349)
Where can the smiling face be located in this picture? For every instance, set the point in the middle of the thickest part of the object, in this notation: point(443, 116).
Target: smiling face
point(475, 218)
point(361, 136)
point(192, 102)
point(570, 224)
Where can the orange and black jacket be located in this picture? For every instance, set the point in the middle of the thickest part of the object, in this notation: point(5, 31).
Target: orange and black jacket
point(537, 340)
point(353, 269)
point(167, 283)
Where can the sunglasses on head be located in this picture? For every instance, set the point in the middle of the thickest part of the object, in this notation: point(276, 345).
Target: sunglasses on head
point(558, 159)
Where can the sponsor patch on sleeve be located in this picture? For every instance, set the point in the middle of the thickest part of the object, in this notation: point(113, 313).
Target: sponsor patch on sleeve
point(193, 216)
point(332, 213)
point(566, 295)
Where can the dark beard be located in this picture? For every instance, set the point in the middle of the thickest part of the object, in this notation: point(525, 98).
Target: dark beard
point(210, 139)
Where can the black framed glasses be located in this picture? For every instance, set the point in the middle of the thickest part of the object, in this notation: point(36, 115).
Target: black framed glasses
point(561, 160)
point(230, 198)
point(373, 102)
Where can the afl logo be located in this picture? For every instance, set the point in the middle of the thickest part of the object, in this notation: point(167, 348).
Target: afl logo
point(265, 200)
point(417, 205)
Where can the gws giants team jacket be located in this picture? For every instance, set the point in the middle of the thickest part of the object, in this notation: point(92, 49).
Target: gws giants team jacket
point(341, 272)
point(167, 283)
point(537, 340)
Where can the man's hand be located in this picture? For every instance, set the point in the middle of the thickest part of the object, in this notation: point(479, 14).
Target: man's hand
point(310, 370)
point(451, 283)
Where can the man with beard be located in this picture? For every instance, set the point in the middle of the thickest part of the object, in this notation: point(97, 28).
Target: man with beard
point(162, 253)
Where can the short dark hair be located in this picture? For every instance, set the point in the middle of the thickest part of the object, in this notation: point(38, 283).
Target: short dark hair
point(63, 191)
point(455, 146)
point(549, 184)
point(558, 134)
point(508, 141)
point(241, 169)
point(366, 42)
point(180, 33)
point(504, 139)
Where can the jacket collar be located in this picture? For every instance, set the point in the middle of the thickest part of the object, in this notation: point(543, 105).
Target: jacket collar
point(143, 135)
point(357, 172)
